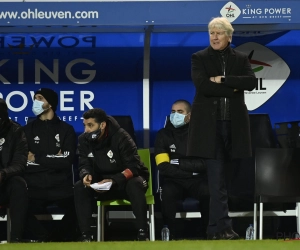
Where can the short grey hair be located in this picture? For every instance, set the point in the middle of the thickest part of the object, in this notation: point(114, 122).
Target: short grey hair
point(221, 23)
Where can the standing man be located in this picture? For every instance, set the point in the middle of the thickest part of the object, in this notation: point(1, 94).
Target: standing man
point(183, 176)
point(13, 156)
point(107, 154)
point(49, 174)
point(219, 127)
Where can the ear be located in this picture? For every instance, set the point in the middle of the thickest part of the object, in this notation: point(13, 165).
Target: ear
point(103, 125)
point(187, 118)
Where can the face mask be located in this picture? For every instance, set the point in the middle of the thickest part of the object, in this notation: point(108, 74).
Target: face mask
point(37, 107)
point(93, 136)
point(177, 119)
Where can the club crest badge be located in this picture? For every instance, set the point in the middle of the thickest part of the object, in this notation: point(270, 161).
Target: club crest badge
point(58, 140)
point(110, 154)
point(2, 140)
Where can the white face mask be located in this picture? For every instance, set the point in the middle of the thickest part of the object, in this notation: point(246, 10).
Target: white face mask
point(177, 119)
point(37, 107)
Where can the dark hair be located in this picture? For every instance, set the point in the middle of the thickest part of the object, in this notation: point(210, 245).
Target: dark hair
point(98, 114)
point(186, 103)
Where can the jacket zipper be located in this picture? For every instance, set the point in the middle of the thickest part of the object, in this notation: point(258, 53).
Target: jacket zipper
point(225, 99)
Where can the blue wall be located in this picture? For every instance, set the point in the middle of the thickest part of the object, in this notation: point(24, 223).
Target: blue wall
point(117, 60)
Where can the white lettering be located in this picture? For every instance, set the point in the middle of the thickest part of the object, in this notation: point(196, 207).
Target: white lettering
point(86, 101)
point(63, 99)
point(18, 101)
point(8, 102)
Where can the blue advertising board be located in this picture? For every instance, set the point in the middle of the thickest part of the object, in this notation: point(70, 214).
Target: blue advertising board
point(147, 13)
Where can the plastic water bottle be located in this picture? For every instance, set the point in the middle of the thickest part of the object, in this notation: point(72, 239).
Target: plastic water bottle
point(165, 233)
point(250, 233)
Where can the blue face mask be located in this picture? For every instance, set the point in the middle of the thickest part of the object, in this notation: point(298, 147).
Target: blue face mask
point(37, 107)
point(177, 119)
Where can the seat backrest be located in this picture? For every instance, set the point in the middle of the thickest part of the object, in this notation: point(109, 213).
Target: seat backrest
point(145, 158)
point(277, 172)
point(288, 134)
point(240, 172)
point(126, 123)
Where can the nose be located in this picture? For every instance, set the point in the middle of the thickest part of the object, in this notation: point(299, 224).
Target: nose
point(86, 130)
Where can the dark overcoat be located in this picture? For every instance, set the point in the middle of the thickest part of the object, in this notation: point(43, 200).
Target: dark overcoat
point(239, 75)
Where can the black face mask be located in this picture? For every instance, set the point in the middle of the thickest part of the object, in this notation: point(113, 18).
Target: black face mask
point(93, 136)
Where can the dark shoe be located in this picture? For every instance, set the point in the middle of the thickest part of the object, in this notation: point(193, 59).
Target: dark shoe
point(228, 234)
point(86, 238)
point(142, 235)
point(16, 240)
point(172, 237)
point(212, 237)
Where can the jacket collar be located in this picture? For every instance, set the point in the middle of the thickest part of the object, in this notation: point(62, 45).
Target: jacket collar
point(231, 57)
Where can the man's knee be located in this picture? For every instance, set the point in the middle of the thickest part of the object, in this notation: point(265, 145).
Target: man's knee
point(135, 184)
point(17, 184)
point(168, 191)
point(78, 186)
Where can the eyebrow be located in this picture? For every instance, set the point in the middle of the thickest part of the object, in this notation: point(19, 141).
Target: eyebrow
point(89, 123)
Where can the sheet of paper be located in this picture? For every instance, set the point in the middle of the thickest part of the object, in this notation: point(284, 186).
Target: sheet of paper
point(103, 186)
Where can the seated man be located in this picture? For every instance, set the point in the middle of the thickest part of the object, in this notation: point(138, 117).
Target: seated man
point(107, 153)
point(183, 176)
point(13, 156)
point(49, 174)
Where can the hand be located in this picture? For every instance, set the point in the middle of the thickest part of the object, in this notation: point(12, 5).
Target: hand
point(235, 90)
point(216, 79)
point(31, 157)
point(59, 152)
point(174, 161)
point(87, 180)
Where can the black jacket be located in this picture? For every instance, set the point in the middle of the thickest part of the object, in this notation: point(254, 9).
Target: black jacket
point(173, 141)
point(14, 152)
point(51, 174)
point(107, 158)
point(202, 129)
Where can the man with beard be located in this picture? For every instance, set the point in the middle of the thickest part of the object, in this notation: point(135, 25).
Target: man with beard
point(107, 154)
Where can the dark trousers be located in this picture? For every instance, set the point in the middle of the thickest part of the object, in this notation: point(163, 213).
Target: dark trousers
point(14, 193)
point(218, 216)
point(64, 230)
point(85, 199)
point(174, 190)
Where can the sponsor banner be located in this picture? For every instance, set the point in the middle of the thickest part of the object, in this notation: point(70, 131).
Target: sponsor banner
point(270, 69)
point(148, 12)
point(86, 70)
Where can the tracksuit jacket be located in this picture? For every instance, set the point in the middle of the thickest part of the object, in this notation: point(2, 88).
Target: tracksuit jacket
point(109, 157)
point(14, 151)
point(171, 144)
point(51, 175)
